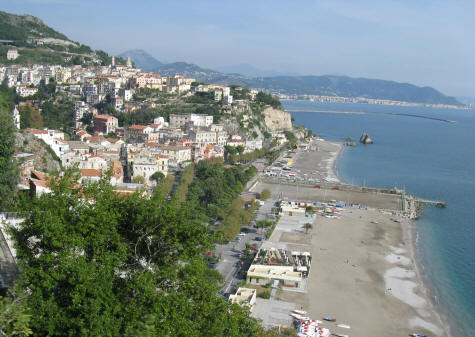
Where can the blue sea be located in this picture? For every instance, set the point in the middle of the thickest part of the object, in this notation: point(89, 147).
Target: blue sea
point(429, 158)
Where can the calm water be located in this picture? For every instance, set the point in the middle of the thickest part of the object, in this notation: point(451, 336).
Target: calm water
point(430, 159)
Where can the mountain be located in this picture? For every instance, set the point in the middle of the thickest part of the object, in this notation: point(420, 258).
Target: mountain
point(251, 71)
point(38, 43)
point(327, 85)
point(352, 87)
point(142, 59)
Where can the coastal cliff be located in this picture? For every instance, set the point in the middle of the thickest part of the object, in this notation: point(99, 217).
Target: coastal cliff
point(277, 120)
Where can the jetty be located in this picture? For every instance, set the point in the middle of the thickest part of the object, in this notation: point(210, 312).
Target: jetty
point(411, 206)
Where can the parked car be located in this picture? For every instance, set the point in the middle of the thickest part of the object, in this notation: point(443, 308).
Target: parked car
point(258, 238)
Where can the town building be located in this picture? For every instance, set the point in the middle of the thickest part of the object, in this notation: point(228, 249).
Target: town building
point(176, 154)
point(12, 54)
point(105, 124)
point(16, 117)
point(244, 297)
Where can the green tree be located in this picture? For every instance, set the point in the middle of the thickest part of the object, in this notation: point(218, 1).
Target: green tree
point(309, 209)
point(14, 316)
point(265, 194)
point(119, 266)
point(240, 149)
point(8, 170)
point(157, 176)
point(30, 117)
point(138, 180)
point(307, 227)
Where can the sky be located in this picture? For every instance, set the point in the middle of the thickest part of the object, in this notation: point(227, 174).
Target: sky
point(427, 43)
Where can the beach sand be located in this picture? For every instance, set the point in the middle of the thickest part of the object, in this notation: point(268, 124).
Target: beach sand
point(363, 271)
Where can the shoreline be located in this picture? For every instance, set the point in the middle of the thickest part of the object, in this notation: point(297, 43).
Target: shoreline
point(409, 238)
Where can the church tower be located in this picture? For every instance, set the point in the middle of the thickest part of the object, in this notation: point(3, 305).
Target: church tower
point(113, 61)
point(129, 62)
point(16, 118)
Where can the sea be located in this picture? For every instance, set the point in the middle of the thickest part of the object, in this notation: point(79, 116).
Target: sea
point(429, 158)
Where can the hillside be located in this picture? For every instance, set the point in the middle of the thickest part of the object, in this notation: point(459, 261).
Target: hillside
point(142, 59)
point(39, 43)
point(326, 85)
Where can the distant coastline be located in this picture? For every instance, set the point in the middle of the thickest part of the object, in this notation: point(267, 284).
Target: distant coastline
point(363, 100)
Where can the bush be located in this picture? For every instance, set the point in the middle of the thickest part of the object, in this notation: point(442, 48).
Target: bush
point(265, 294)
point(265, 194)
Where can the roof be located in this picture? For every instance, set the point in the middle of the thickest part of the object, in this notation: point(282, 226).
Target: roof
point(90, 172)
point(81, 133)
point(95, 139)
point(138, 127)
point(103, 117)
point(39, 175)
point(112, 140)
point(73, 144)
point(117, 170)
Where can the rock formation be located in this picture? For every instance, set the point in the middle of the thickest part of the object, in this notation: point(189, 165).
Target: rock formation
point(277, 120)
point(365, 139)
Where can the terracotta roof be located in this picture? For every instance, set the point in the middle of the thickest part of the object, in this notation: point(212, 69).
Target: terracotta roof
point(138, 127)
point(95, 139)
point(90, 172)
point(40, 183)
point(153, 125)
point(104, 116)
point(81, 133)
point(112, 140)
point(117, 170)
point(39, 175)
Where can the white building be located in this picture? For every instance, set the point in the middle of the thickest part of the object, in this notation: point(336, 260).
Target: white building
point(12, 54)
point(16, 118)
point(25, 91)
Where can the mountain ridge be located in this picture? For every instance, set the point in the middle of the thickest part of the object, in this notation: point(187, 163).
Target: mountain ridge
point(323, 85)
point(142, 59)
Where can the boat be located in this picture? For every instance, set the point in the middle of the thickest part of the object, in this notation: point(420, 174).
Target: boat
point(329, 319)
point(300, 312)
point(338, 335)
point(297, 316)
point(417, 335)
point(344, 326)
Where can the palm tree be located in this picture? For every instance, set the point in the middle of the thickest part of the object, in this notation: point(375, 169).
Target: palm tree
point(307, 226)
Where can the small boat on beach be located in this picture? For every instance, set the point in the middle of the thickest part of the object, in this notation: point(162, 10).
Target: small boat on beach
point(338, 335)
point(417, 335)
point(344, 326)
point(300, 312)
point(329, 319)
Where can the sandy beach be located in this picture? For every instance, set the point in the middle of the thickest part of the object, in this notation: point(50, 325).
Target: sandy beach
point(363, 269)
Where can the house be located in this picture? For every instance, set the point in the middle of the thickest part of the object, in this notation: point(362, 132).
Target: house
point(12, 54)
point(177, 154)
point(181, 120)
point(141, 164)
point(105, 124)
point(25, 91)
point(286, 268)
point(82, 134)
point(117, 173)
point(203, 137)
point(89, 175)
point(39, 183)
point(244, 297)
point(141, 133)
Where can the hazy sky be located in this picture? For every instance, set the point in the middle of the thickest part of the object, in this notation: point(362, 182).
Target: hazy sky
point(422, 42)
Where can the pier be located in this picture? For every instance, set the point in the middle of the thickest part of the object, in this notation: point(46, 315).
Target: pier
point(411, 206)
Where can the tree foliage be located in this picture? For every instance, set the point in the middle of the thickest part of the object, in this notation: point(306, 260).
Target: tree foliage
point(8, 170)
point(268, 99)
point(100, 264)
